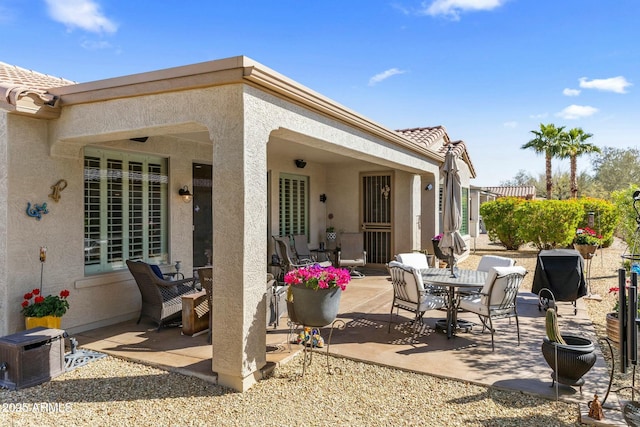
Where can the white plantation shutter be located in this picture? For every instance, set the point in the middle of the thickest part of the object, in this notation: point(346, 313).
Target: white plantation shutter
point(125, 209)
point(294, 204)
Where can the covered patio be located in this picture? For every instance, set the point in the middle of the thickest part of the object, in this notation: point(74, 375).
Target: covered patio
point(365, 309)
point(279, 158)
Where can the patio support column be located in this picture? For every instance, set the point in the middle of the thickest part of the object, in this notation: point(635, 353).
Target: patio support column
point(239, 248)
point(415, 198)
point(430, 215)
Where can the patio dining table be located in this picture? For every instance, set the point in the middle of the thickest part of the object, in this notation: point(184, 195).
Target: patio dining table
point(462, 279)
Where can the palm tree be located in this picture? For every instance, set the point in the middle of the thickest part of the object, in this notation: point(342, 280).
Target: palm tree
point(574, 145)
point(548, 140)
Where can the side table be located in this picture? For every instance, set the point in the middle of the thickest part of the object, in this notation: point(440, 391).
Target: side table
point(195, 313)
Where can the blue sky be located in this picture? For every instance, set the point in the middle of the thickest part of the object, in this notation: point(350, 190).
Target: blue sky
point(489, 71)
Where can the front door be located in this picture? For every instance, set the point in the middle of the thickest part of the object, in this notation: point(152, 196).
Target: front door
point(377, 217)
point(202, 213)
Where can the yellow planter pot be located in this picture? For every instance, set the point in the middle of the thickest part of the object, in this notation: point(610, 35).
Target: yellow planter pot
point(51, 322)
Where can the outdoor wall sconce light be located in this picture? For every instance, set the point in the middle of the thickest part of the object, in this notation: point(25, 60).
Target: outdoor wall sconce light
point(185, 194)
point(429, 187)
point(300, 163)
point(323, 197)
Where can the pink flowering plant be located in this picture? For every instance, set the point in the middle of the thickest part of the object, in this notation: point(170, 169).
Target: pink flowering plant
point(317, 277)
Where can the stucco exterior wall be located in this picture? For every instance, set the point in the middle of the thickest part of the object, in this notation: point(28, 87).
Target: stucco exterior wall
point(4, 289)
point(318, 211)
point(30, 173)
point(95, 300)
point(341, 181)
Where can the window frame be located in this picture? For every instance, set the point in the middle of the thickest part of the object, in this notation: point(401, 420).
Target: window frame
point(125, 209)
point(293, 215)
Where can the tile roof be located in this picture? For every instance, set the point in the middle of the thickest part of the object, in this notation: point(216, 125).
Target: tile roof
point(17, 76)
point(436, 139)
point(426, 136)
point(25, 90)
point(521, 191)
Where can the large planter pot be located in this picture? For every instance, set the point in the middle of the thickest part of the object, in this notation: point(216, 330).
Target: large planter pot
point(291, 313)
point(331, 236)
point(51, 322)
point(437, 251)
point(613, 325)
point(587, 251)
point(575, 358)
point(315, 308)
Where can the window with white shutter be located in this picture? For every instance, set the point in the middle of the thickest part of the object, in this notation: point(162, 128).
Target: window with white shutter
point(125, 209)
point(294, 204)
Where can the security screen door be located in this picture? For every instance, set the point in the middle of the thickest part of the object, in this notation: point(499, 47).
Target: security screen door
point(377, 217)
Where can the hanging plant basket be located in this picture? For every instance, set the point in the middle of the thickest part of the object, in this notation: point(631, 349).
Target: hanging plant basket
point(587, 251)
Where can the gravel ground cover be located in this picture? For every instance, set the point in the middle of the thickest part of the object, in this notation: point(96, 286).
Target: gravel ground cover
point(115, 392)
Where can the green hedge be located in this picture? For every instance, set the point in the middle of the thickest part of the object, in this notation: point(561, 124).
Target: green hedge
point(626, 227)
point(606, 217)
point(546, 224)
point(500, 221)
point(549, 224)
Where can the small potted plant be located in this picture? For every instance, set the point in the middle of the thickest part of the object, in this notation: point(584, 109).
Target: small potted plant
point(586, 241)
point(44, 311)
point(313, 296)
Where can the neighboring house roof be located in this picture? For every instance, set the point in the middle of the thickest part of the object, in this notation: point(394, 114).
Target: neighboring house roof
point(436, 139)
point(25, 91)
point(521, 191)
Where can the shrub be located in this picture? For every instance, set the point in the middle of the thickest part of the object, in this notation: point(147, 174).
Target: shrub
point(627, 225)
point(501, 222)
point(549, 224)
point(606, 217)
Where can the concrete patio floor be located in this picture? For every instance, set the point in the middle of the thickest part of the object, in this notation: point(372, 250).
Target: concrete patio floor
point(365, 309)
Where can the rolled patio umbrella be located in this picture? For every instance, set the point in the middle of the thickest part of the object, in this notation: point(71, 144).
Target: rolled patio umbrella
point(452, 242)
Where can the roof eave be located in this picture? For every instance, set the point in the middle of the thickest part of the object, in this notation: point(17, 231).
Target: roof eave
point(234, 70)
point(274, 82)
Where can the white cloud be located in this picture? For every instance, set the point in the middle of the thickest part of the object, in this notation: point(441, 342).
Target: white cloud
point(613, 84)
point(453, 8)
point(83, 14)
point(571, 92)
point(511, 125)
point(384, 75)
point(577, 111)
point(539, 116)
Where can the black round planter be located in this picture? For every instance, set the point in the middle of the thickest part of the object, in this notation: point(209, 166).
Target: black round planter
point(314, 307)
point(575, 358)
